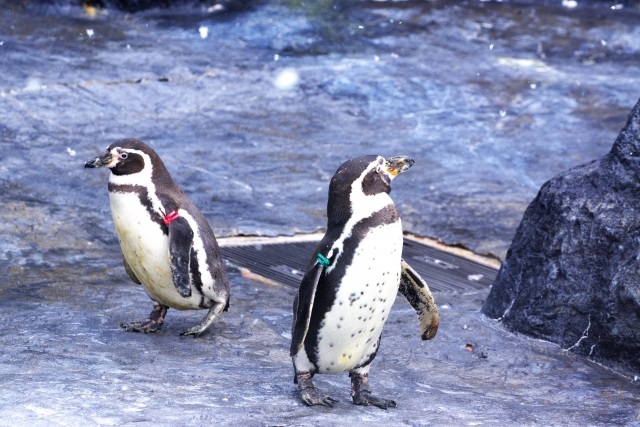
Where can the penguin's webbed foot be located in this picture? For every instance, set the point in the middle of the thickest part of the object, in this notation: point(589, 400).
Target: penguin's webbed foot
point(365, 398)
point(310, 395)
point(361, 393)
point(146, 326)
point(152, 324)
point(206, 322)
point(194, 330)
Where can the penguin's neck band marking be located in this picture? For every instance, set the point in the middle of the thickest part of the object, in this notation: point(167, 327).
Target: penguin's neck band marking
point(170, 217)
point(143, 196)
point(323, 261)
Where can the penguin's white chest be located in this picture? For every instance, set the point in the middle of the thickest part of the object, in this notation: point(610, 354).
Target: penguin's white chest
point(146, 249)
point(351, 328)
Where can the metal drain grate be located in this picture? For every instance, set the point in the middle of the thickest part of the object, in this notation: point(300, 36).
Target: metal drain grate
point(285, 263)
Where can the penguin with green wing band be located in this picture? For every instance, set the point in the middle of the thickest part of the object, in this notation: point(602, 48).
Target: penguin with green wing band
point(352, 281)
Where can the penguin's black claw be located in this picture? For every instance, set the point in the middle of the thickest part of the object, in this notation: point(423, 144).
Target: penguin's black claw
point(152, 324)
point(329, 401)
point(365, 398)
point(195, 331)
point(145, 326)
point(361, 394)
point(309, 394)
point(311, 397)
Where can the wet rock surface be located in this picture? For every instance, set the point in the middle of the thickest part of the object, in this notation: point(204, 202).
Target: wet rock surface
point(490, 100)
point(254, 111)
point(570, 275)
point(65, 361)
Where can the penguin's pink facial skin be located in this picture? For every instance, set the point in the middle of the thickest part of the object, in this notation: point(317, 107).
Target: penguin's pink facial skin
point(393, 166)
point(108, 160)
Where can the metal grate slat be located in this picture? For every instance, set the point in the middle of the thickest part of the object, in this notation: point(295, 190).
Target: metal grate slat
point(285, 263)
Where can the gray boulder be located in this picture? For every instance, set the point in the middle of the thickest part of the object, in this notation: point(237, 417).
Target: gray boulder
point(572, 273)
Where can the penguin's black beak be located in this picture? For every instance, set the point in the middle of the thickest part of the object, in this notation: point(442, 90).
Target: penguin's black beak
point(99, 162)
point(397, 165)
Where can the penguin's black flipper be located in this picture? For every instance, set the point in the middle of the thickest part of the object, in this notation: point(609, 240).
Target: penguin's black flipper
point(130, 272)
point(302, 306)
point(180, 241)
point(416, 291)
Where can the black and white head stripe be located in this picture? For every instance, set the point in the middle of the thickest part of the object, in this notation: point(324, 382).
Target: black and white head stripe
point(135, 164)
point(131, 156)
point(359, 188)
point(359, 177)
point(126, 161)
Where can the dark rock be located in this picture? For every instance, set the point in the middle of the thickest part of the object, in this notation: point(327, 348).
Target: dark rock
point(572, 274)
point(140, 5)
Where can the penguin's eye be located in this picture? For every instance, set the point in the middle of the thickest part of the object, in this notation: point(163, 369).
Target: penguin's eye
point(124, 155)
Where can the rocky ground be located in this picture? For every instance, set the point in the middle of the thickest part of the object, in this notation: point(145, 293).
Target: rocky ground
point(253, 112)
point(64, 361)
